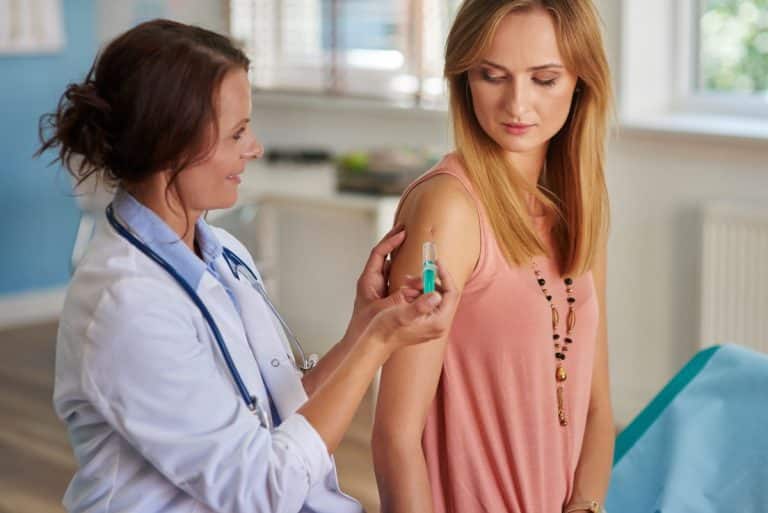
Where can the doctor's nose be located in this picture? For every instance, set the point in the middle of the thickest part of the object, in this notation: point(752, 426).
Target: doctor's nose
point(255, 151)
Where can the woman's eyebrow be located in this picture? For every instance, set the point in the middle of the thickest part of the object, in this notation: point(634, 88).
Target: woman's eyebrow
point(549, 65)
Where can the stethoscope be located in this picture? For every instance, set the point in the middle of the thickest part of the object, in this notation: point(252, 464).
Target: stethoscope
point(235, 264)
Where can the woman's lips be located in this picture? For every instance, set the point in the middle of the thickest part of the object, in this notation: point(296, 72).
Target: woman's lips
point(517, 128)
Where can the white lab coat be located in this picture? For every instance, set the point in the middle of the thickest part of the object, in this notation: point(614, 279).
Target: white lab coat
point(155, 420)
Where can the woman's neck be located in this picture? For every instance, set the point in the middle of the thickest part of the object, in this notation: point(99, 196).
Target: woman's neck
point(530, 165)
point(167, 207)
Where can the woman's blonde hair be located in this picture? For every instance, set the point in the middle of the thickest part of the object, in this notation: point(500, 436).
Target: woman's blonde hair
point(573, 187)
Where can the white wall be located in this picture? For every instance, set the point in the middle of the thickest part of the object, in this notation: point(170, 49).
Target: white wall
point(657, 183)
point(116, 17)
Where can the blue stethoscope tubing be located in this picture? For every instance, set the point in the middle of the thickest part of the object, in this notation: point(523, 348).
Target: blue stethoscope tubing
point(234, 263)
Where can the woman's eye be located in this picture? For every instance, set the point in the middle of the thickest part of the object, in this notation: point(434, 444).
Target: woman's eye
point(238, 134)
point(490, 77)
point(546, 83)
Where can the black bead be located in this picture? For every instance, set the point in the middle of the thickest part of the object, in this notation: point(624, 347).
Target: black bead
point(542, 282)
point(549, 298)
point(568, 340)
point(568, 281)
point(560, 356)
point(556, 336)
point(571, 300)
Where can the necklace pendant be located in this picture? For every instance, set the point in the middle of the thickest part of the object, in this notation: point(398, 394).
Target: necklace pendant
point(561, 407)
point(560, 374)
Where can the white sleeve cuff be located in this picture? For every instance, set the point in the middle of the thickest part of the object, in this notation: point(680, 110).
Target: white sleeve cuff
point(302, 439)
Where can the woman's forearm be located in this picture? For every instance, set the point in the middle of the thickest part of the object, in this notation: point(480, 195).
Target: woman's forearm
point(593, 472)
point(333, 403)
point(401, 474)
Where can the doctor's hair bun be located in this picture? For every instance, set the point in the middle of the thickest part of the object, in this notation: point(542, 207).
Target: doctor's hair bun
point(148, 104)
point(79, 129)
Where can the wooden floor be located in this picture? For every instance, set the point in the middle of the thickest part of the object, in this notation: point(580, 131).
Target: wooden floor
point(35, 458)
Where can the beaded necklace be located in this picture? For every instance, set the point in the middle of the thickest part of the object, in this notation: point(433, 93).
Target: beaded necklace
point(561, 349)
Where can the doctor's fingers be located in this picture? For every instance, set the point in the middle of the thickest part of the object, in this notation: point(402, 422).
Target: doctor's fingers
point(386, 245)
point(402, 296)
point(414, 282)
point(419, 309)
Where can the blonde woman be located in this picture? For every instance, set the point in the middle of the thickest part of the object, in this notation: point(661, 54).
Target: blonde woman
point(511, 411)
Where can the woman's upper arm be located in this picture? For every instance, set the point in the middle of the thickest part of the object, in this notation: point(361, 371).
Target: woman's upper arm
point(600, 392)
point(439, 210)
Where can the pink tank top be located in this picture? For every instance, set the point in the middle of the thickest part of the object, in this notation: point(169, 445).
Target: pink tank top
point(492, 439)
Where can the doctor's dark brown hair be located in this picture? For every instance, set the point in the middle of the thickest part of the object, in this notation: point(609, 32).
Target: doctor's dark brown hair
point(147, 104)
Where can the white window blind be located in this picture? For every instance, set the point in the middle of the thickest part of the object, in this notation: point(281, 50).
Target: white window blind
point(367, 48)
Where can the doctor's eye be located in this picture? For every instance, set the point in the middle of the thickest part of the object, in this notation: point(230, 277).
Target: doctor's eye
point(239, 134)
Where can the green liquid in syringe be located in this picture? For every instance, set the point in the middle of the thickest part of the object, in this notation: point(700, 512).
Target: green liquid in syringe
point(429, 268)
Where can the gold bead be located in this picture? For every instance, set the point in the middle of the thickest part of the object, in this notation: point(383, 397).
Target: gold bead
point(560, 374)
point(571, 320)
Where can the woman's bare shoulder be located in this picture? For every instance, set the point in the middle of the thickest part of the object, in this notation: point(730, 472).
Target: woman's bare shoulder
point(441, 210)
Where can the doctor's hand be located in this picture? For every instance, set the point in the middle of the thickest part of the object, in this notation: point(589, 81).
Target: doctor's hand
point(373, 283)
point(415, 319)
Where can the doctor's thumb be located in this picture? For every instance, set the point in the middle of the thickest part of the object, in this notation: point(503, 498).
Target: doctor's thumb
point(424, 305)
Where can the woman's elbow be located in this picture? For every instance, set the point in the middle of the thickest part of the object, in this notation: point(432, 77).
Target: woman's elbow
point(390, 441)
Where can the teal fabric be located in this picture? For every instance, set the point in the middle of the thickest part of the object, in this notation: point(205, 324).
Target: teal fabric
point(701, 445)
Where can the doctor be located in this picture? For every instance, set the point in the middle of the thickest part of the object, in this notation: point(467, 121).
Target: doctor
point(173, 374)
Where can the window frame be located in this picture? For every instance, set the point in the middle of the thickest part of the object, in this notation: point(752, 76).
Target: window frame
point(688, 97)
point(327, 78)
point(653, 78)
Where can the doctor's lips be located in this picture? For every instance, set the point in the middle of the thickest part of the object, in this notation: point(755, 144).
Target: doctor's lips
point(235, 177)
point(517, 128)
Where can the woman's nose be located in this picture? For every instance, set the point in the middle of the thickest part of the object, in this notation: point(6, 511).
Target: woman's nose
point(516, 99)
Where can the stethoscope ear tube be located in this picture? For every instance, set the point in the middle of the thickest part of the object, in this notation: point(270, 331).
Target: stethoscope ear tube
point(236, 264)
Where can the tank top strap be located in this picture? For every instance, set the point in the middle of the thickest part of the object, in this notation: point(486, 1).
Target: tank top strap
point(487, 259)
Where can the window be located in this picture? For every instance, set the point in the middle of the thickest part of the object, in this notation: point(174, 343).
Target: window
point(367, 48)
point(733, 47)
point(698, 67)
point(728, 58)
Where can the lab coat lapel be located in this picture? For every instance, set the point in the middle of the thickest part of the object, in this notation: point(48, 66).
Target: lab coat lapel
point(232, 330)
point(274, 359)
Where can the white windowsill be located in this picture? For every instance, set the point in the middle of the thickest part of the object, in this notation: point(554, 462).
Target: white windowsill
point(700, 127)
point(323, 101)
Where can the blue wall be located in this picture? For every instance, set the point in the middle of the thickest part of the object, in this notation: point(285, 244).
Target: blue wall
point(38, 215)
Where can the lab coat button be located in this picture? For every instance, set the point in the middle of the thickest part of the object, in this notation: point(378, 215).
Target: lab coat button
point(275, 362)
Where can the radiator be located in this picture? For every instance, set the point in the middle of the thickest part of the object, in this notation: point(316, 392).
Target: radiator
point(734, 275)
